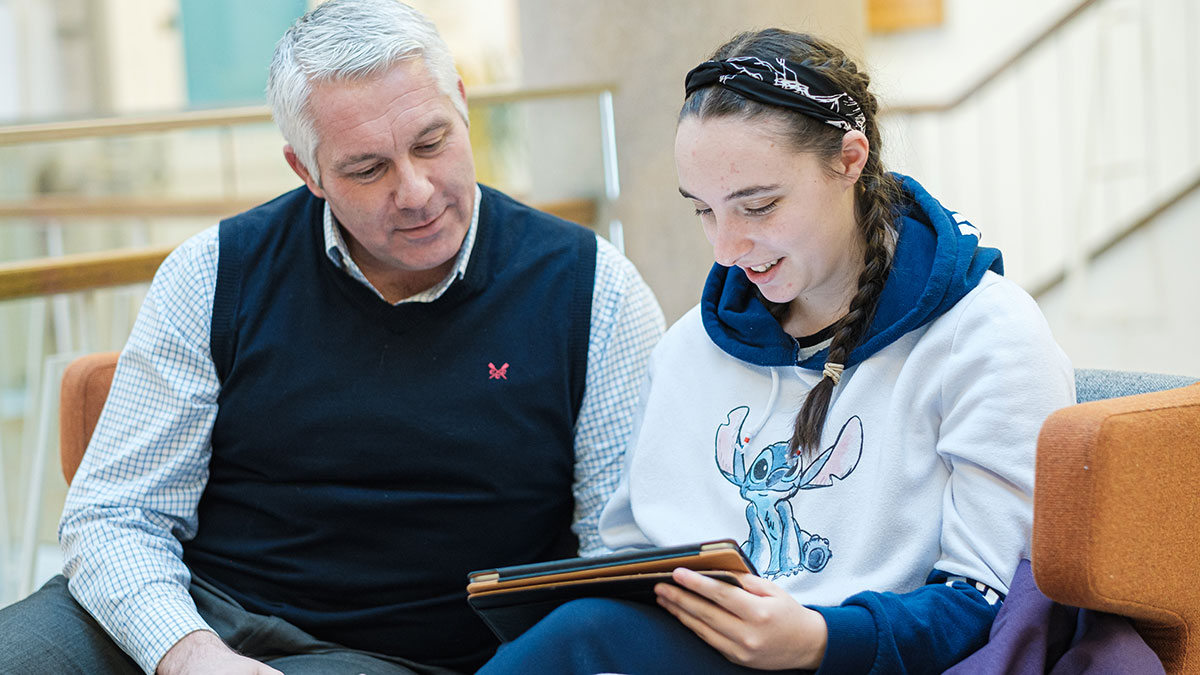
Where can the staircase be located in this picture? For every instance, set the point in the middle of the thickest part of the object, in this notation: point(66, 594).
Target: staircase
point(1074, 152)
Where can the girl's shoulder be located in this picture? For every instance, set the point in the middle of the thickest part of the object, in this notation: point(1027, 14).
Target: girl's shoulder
point(994, 299)
point(687, 344)
point(686, 332)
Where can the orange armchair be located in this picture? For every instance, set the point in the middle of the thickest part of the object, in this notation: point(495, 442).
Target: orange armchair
point(1116, 505)
point(85, 385)
point(1116, 498)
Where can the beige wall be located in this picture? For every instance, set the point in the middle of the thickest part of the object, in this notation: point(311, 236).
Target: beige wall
point(646, 48)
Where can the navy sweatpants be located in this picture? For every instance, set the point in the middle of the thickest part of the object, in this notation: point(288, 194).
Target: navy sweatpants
point(599, 635)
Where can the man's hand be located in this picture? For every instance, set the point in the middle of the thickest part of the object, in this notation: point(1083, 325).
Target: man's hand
point(203, 653)
point(758, 625)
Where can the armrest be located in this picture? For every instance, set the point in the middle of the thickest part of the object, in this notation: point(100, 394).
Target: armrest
point(85, 385)
point(1116, 511)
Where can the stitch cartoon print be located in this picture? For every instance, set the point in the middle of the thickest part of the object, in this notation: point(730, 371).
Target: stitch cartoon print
point(777, 545)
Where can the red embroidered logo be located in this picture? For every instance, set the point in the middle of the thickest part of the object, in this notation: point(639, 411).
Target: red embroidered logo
point(495, 373)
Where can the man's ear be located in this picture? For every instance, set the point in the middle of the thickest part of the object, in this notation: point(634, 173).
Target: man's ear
point(293, 161)
point(462, 91)
point(855, 149)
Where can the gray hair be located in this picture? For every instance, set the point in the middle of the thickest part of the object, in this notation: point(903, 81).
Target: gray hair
point(349, 40)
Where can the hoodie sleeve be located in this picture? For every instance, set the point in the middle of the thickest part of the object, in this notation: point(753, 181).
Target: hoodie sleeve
point(923, 631)
point(1002, 376)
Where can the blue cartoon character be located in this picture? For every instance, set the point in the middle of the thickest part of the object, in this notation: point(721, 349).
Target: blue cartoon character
point(777, 545)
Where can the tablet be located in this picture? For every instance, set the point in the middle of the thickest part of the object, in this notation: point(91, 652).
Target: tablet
point(511, 599)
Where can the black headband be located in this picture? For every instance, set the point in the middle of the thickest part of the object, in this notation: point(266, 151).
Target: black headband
point(783, 83)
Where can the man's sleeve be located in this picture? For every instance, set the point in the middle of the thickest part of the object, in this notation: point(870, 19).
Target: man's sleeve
point(135, 495)
point(626, 324)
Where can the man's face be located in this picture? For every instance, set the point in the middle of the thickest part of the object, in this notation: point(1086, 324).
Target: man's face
point(396, 168)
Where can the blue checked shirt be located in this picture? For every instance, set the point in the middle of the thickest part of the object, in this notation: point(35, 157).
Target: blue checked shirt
point(135, 496)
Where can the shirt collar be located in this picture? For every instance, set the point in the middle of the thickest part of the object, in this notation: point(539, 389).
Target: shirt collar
point(335, 248)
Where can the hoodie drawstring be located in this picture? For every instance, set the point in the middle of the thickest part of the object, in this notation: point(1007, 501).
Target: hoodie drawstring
point(770, 407)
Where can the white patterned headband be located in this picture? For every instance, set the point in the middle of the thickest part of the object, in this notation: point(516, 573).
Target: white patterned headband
point(782, 83)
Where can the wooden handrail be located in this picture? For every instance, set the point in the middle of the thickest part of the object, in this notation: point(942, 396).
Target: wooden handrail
point(226, 117)
point(72, 207)
point(18, 134)
point(119, 267)
point(79, 272)
point(995, 72)
point(582, 211)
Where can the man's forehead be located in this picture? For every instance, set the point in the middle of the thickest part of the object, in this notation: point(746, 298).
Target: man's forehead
point(378, 116)
point(346, 156)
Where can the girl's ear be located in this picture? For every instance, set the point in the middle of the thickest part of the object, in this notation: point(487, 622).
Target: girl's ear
point(855, 149)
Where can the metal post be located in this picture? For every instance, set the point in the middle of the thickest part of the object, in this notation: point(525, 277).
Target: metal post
point(612, 179)
point(228, 162)
point(51, 374)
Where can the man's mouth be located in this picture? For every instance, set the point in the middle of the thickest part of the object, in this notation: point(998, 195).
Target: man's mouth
point(424, 224)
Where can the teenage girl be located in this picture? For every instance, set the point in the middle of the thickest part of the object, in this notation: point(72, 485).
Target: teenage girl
point(856, 399)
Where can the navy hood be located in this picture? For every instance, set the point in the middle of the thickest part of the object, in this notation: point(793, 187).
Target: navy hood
point(938, 260)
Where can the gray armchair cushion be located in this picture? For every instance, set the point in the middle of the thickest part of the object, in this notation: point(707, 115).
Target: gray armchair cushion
point(1094, 385)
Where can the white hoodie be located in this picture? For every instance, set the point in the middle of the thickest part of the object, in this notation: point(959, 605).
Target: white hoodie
point(928, 449)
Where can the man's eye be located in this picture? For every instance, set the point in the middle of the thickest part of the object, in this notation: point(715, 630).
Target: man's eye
point(367, 173)
point(430, 147)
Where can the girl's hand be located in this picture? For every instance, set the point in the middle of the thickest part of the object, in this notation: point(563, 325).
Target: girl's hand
point(758, 625)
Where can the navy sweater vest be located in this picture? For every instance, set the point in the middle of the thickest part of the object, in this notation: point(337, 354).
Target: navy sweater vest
point(366, 456)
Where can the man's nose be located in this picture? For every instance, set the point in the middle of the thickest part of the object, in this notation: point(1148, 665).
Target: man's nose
point(414, 186)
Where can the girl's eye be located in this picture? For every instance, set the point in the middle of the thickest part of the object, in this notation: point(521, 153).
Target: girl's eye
point(761, 210)
point(703, 212)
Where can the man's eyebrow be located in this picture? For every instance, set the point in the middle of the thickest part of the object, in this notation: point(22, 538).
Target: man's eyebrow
point(350, 161)
point(433, 126)
point(355, 159)
point(738, 194)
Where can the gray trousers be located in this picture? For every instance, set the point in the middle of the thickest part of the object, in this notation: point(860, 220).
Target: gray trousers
point(49, 632)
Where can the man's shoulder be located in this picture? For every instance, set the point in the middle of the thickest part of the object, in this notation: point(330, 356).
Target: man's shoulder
point(515, 235)
point(271, 224)
point(286, 206)
point(497, 205)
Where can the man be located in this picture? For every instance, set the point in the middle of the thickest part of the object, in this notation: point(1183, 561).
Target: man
point(334, 406)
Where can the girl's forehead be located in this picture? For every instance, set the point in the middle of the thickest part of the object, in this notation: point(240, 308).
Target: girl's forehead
point(718, 157)
point(754, 139)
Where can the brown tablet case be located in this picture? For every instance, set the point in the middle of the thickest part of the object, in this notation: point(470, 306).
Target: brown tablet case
point(511, 599)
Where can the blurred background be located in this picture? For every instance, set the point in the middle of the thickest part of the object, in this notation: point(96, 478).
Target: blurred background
point(1068, 131)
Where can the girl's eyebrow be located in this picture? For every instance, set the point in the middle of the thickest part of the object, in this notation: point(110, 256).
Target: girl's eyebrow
point(750, 191)
point(738, 194)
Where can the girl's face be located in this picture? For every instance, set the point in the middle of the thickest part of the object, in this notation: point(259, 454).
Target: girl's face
point(784, 217)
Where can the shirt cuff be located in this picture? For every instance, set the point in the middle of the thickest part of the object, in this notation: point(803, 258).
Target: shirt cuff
point(851, 643)
point(158, 622)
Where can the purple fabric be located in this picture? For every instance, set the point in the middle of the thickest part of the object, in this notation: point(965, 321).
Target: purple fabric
point(1034, 634)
